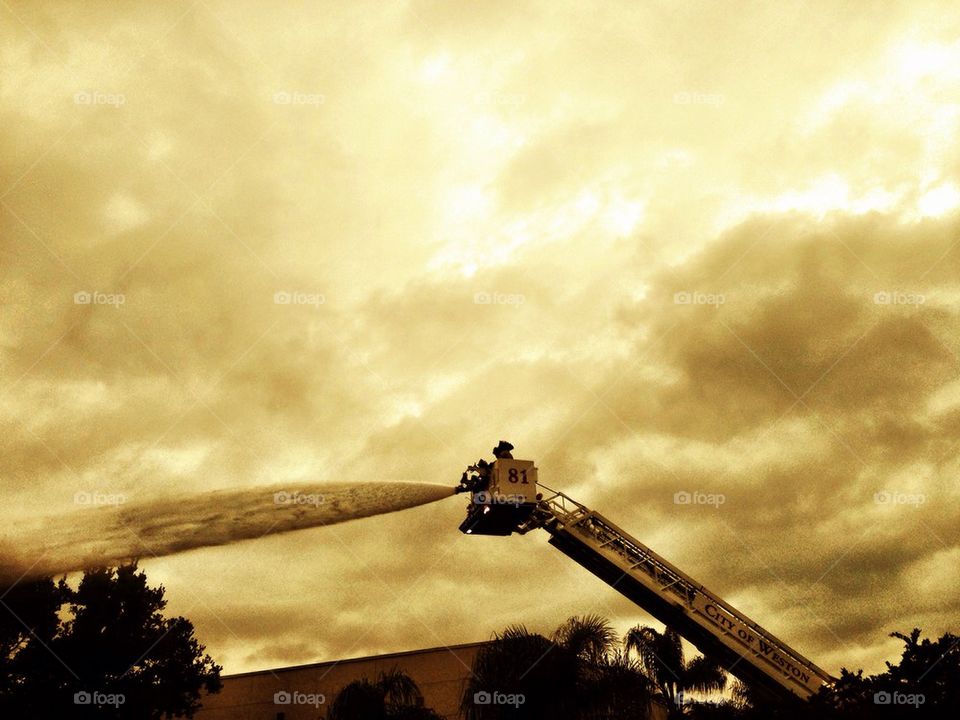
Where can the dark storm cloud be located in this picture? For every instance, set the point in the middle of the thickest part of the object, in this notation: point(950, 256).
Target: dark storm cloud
point(800, 352)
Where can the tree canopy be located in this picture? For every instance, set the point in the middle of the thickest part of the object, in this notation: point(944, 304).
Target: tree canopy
point(584, 672)
point(101, 650)
point(392, 696)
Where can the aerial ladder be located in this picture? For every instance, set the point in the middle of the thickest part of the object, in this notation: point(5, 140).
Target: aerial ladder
point(506, 498)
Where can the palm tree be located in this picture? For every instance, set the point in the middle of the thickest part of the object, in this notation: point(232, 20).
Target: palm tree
point(393, 696)
point(399, 692)
point(590, 638)
point(520, 664)
point(580, 673)
point(359, 699)
point(662, 659)
point(622, 689)
point(609, 684)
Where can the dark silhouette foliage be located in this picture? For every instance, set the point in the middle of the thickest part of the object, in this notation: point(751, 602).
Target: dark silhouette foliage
point(102, 650)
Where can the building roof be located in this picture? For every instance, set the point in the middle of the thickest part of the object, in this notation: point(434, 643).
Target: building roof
point(364, 658)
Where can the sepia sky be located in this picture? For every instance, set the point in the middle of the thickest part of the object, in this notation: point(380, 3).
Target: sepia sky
point(662, 247)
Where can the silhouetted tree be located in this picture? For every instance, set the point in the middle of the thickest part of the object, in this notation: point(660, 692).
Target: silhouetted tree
point(579, 674)
point(928, 667)
point(392, 696)
point(924, 685)
point(590, 638)
point(582, 674)
point(622, 690)
point(609, 683)
point(28, 625)
point(662, 659)
point(520, 664)
point(65, 649)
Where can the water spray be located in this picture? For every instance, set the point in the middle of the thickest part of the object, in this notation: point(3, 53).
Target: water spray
point(112, 535)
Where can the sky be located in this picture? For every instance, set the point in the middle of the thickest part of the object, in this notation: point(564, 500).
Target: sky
point(669, 250)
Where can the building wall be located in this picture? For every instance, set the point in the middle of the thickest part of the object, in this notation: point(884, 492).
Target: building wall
point(441, 674)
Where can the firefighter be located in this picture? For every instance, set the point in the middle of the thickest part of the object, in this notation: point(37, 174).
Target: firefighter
point(476, 481)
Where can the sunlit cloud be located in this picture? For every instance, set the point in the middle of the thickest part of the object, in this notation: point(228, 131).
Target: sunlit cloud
point(521, 225)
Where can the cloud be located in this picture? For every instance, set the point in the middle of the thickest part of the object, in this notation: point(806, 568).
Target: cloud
point(656, 252)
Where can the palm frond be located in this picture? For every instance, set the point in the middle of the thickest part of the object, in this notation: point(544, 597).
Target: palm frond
point(590, 637)
point(704, 675)
point(399, 689)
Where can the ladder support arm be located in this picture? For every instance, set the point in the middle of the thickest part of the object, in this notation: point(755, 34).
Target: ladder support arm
point(712, 625)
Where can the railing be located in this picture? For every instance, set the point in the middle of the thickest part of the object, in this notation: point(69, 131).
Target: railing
point(558, 512)
point(562, 507)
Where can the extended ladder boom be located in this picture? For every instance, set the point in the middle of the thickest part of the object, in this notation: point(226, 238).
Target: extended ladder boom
point(506, 498)
point(715, 627)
